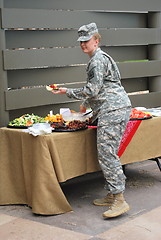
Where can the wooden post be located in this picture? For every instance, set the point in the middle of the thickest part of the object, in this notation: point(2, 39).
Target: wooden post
point(154, 21)
point(4, 115)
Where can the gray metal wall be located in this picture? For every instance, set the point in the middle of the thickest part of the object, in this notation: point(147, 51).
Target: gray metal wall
point(38, 47)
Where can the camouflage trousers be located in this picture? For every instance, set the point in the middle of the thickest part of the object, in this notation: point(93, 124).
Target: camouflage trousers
point(111, 127)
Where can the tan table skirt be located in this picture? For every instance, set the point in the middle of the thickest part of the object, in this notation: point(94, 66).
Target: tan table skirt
point(146, 143)
point(31, 168)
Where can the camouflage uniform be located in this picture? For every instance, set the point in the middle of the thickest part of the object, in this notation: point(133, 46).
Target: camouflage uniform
point(111, 107)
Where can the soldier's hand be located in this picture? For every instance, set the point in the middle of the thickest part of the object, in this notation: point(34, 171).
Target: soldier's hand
point(82, 109)
point(60, 91)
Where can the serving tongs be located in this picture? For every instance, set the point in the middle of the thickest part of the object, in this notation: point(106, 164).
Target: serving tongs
point(85, 114)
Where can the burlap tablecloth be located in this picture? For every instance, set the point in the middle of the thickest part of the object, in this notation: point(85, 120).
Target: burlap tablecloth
point(31, 168)
point(146, 143)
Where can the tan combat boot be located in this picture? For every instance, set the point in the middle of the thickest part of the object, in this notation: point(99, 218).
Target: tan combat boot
point(106, 201)
point(118, 207)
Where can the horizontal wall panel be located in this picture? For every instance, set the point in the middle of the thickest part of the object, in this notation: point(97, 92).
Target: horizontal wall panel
point(56, 57)
point(142, 36)
point(21, 99)
point(126, 53)
point(46, 76)
point(43, 58)
point(41, 38)
point(140, 69)
point(123, 5)
point(36, 77)
point(146, 100)
point(64, 38)
point(114, 5)
point(135, 84)
point(37, 18)
point(32, 97)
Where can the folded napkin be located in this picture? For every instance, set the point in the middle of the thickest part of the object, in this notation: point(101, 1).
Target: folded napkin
point(39, 129)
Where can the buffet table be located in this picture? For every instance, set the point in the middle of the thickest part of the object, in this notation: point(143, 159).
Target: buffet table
point(32, 167)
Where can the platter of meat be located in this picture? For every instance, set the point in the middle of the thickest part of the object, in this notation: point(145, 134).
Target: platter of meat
point(71, 126)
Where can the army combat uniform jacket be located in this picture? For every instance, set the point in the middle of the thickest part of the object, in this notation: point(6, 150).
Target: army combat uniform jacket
point(103, 91)
point(106, 96)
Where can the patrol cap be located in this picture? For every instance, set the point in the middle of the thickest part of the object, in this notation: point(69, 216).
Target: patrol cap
point(86, 32)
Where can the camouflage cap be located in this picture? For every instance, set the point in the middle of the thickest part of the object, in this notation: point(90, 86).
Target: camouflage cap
point(86, 32)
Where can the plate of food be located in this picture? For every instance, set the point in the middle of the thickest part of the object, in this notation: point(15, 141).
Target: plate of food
point(70, 126)
point(139, 115)
point(143, 118)
point(25, 121)
point(16, 126)
point(68, 129)
point(52, 87)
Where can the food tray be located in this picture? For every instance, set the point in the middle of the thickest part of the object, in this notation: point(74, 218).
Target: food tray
point(18, 127)
point(67, 130)
point(134, 119)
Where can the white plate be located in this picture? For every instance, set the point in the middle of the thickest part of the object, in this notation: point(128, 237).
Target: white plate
point(49, 88)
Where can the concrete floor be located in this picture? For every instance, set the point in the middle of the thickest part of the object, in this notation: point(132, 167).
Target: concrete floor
point(143, 193)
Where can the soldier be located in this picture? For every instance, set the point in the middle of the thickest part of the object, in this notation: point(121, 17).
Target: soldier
point(111, 106)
